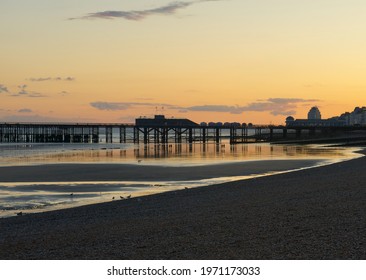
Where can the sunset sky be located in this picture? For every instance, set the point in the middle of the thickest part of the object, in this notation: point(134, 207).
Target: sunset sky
point(208, 60)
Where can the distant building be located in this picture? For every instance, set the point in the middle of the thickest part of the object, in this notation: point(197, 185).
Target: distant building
point(160, 120)
point(289, 119)
point(315, 120)
point(314, 114)
point(357, 117)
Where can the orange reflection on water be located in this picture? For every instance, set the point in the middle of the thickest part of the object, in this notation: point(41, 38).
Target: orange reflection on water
point(173, 154)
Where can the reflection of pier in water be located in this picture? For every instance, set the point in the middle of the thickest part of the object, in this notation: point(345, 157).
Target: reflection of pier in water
point(164, 134)
point(189, 152)
point(214, 151)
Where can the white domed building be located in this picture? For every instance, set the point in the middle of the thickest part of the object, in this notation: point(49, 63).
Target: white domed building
point(289, 120)
point(314, 114)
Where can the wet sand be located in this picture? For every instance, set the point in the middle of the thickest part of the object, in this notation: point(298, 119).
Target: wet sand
point(316, 213)
point(141, 172)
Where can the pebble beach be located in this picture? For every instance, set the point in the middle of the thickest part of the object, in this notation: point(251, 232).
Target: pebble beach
point(316, 213)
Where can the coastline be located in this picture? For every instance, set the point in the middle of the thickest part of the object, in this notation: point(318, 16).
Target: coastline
point(135, 172)
point(315, 213)
point(40, 188)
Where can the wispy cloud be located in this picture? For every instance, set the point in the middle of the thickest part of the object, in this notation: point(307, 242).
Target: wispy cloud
point(23, 91)
point(3, 88)
point(278, 106)
point(120, 106)
point(110, 106)
point(137, 15)
point(25, 110)
point(274, 106)
point(290, 100)
point(215, 108)
point(67, 79)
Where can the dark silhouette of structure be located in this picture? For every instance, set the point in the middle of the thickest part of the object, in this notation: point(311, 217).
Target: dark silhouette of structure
point(161, 130)
point(160, 120)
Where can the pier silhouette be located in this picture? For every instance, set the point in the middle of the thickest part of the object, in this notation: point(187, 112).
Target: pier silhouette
point(162, 132)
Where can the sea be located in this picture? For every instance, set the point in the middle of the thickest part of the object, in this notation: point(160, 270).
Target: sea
point(30, 197)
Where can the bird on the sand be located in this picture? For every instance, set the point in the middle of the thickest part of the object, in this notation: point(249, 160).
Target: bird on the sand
point(19, 213)
point(129, 196)
point(112, 197)
point(121, 197)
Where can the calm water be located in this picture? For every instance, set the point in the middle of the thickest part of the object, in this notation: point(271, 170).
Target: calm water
point(35, 197)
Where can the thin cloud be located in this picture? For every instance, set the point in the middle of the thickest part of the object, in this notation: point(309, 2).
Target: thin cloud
point(110, 106)
point(23, 91)
point(216, 108)
point(3, 89)
point(36, 95)
point(290, 100)
point(120, 106)
point(275, 106)
point(137, 15)
point(25, 110)
point(42, 79)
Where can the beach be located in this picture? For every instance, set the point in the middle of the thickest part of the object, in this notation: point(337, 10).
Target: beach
point(316, 213)
point(137, 172)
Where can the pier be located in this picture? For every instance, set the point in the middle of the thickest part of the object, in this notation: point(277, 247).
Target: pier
point(159, 133)
point(60, 133)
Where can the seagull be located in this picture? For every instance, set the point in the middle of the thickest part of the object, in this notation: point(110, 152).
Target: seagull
point(129, 196)
point(19, 213)
point(121, 197)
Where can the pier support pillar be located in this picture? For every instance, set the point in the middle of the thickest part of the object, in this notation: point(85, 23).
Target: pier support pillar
point(270, 134)
point(122, 134)
point(109, 134)
point(232, 135)
point(136, 135)
point(190, 135)
point(146, 135)
point(217, 135)
point(164, 136)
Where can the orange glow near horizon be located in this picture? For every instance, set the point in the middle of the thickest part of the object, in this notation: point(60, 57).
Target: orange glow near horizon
point(251, 63)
